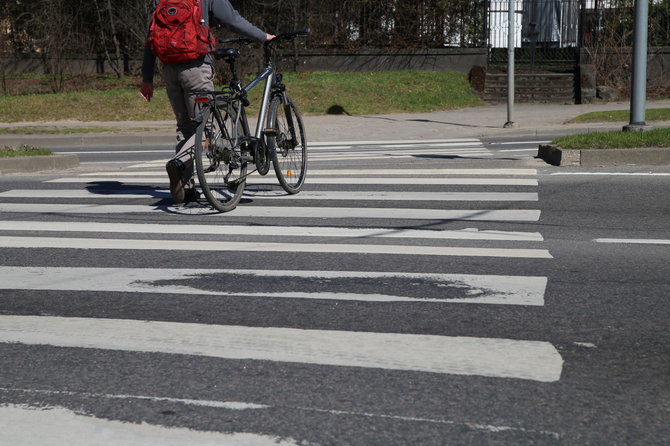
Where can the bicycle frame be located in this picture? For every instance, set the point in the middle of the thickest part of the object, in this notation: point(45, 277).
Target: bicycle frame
point(268, 74)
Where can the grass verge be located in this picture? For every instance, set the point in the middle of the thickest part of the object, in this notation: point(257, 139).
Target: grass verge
point(316, 93)
point(380, 93)
point(85, 106)
point(29, 130)
point(33, 130)
point(615, 140)
point(24, 150)
point(653, 114)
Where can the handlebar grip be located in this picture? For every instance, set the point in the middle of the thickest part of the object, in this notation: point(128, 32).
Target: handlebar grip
point(293, 34)
point(238, 40)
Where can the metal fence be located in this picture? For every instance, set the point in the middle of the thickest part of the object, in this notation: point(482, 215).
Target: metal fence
point(544, 23)
point(548, 33)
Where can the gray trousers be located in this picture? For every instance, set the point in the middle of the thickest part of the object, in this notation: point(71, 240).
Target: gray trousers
point(180, 81)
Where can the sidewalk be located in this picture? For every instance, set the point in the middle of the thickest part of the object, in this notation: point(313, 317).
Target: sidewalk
point(488, 120)
point(475, 122)
point(472, 122)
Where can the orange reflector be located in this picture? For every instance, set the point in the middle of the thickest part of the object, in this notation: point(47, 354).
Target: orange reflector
point(289, 173)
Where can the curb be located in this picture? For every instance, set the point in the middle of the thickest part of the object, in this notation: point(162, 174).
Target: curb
point(556, 156)
point(21, 164)
point(77, 140)
point(164, 138)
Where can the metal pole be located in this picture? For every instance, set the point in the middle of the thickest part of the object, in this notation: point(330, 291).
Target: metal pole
point(510, 66)
point(639, 76)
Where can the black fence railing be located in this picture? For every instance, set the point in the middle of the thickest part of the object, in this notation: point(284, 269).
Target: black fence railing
point(547, 33)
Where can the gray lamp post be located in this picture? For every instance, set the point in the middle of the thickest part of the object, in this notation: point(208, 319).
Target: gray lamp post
point(638, 97)
point(510, 66)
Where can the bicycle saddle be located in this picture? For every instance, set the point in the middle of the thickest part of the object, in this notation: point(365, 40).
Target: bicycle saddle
point(228, 53)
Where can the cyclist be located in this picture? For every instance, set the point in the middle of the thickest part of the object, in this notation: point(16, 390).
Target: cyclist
point(181, 79)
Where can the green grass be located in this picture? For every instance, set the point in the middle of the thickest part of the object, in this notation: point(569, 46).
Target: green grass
point(615, 140)
point(31, 130)
point(112, 105)
point(380, 93)
point(654, 114)
point(24, 150)
point(315, 94)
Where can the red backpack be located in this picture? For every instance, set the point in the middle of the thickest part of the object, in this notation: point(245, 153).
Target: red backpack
point(178, 33)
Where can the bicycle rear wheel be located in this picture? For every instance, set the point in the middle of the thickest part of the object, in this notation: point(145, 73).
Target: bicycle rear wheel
point(221, 168)
point(287, 144)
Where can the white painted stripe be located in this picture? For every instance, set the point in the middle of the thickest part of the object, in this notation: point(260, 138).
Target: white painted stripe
point(412, 171)
point(311, 148)
point(468, 154)
point(473, 289)
point(633, 241)
point(286, 212)
point(228, 405)
point(500, 358)
point(162, 179)
point(323, 248)
point(97, 163)
point(403, 149)
point(116, 152)
point(126, 194)
point(399, 152)
point(55, 426)
point(115, 194)
point(400, 149)
point(284, 231)
point(509, 143)
point(160, 165)
point(474, 145)
point(614, 174)
point(244, 406)
point(321, 145)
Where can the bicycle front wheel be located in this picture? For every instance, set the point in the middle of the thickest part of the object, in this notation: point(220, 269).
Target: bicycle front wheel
point(287, 144)
point(222, 170)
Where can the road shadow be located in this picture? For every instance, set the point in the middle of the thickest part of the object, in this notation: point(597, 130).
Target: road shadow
point(430, 121)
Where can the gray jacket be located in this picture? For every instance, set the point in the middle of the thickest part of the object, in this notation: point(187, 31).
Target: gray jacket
point(220, 11)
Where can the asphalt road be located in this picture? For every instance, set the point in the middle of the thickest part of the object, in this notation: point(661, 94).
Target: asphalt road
point(502, 301)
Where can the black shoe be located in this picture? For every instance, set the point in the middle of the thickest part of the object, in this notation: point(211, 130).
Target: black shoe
point(175, 171)
point(191, 195)
point(233, 184)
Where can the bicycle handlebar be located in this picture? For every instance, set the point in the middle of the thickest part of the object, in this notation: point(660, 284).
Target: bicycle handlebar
point(268, 45)
point(237, 40)
point(283, 36)
point(290, 35)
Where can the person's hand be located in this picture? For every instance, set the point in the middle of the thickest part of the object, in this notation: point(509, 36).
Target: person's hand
point(269, 37)
point(147, 91)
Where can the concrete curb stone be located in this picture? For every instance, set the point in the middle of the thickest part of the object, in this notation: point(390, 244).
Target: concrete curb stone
point(557, 156)
point(21, 164)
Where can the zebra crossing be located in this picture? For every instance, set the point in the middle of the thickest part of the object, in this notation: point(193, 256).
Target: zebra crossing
point(130, 211)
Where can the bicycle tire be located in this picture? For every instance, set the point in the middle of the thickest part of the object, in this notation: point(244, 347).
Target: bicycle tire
point(221, 168)
point(287, 143)
point(262, 158)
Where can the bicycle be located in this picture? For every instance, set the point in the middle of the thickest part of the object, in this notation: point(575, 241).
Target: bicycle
point(224, 147)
